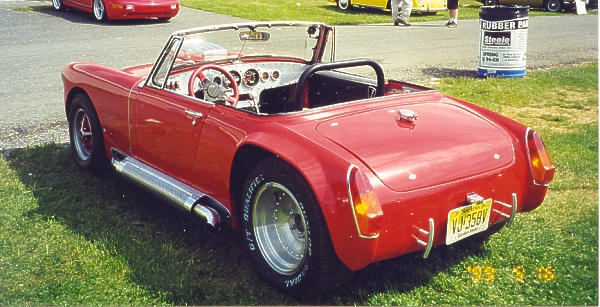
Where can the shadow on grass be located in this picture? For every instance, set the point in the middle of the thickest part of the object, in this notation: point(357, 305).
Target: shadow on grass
point(171, 253)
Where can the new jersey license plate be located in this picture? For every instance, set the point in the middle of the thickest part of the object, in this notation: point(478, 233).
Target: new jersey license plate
point(467, 221)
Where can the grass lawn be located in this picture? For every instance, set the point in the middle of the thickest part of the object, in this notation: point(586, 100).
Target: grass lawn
point(327, 12)
point(71, 238)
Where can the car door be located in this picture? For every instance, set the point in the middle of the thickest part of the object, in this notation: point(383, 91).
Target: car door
point(167, 130)
point(166, 126)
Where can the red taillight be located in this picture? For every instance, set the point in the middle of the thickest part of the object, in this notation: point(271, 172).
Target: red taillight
point(541, 164)
point(366, 208)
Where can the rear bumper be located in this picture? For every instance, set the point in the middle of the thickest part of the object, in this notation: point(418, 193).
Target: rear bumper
point(407, 215)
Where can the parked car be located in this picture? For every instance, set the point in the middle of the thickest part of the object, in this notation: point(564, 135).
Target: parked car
point(252, 126)
point(549, 5)
point(122, 9)
point(421, 6)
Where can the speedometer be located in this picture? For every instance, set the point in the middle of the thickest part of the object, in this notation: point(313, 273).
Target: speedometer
point(250, 78)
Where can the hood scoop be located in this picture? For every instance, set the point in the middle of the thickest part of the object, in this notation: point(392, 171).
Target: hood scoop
point(421, 145)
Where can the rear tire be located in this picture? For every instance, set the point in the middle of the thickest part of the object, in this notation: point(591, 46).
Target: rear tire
point(85, 132)
point(286, 233)
point(99, 10)
point(343, 4)
point(553, 5)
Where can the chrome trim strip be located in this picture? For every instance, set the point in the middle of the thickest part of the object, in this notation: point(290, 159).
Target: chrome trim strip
point(352, 205)
point(514, 210)
point(168, 188)
point(429, 238)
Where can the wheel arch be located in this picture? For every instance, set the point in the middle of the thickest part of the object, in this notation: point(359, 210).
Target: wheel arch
point(309, 161)
point(71, 95)
point(325, 172)
point(245, 159)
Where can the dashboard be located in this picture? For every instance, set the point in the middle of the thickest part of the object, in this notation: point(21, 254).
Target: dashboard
point(251, 79)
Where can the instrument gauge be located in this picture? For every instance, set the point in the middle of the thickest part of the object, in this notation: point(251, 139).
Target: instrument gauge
point(236, 76)
point(250, 78)
point(275, 75)
point(217, 80)
point(264, 76)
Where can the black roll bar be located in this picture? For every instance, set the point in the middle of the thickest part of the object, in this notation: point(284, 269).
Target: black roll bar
point(299, 103)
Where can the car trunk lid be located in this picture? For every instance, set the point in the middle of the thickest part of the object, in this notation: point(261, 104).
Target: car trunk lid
point(446, 143)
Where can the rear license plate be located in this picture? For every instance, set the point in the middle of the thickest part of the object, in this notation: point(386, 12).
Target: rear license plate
point(467, 221)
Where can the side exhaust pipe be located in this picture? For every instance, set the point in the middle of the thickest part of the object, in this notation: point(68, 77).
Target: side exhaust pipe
point(171, 190)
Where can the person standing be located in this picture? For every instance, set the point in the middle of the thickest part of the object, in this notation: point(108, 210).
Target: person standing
point(404, 14)
point(453, 12)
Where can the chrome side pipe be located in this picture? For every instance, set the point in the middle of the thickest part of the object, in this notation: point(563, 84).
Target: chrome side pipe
point(171, 190)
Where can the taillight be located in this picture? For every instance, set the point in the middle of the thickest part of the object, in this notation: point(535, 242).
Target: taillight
point(541, 164)
point(368, 215)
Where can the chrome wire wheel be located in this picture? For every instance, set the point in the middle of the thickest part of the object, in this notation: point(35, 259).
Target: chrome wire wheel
point(82, 135)
point(99, 10)
point(280, 228)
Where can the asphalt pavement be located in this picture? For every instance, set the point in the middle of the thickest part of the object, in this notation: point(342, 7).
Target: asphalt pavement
point(36, 43)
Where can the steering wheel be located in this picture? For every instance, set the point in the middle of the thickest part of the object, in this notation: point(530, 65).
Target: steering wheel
point(213, 91)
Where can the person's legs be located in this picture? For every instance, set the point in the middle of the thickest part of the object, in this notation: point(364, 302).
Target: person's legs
point(394, 4)
point(453, 12)
point(406, 9)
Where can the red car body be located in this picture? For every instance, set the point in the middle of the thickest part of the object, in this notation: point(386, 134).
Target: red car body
point(387, 161)
point(123, 9)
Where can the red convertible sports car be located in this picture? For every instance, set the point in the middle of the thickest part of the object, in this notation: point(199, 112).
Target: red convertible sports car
point(254, 126)
point(122, 9)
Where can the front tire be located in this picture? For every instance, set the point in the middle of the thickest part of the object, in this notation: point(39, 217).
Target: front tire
point(553, 5)
point(286, 233)
point(85, 132)
point(58, 5)
point(344, 4)
point(99, 10)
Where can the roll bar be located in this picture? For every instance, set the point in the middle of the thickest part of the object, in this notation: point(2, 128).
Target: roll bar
point(299, 103)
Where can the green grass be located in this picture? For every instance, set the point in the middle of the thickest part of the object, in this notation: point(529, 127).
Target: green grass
point(71, 238)
point(327, 12)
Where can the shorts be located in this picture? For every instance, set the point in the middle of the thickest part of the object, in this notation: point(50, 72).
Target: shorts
point(452, 4)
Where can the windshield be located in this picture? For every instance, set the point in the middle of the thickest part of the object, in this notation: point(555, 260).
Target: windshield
point(233, 42)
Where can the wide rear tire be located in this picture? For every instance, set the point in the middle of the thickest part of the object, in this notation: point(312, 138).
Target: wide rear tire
point(286, 233)
point(85, 132)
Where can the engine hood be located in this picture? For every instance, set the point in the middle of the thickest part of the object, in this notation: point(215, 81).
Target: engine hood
point(446, 143)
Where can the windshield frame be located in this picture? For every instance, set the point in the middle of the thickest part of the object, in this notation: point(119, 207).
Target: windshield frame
point(325, 38)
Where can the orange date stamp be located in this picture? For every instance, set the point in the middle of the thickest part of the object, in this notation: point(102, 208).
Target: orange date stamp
point(519, 273)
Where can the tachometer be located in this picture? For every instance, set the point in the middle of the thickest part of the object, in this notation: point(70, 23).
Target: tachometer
point(250, 77)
